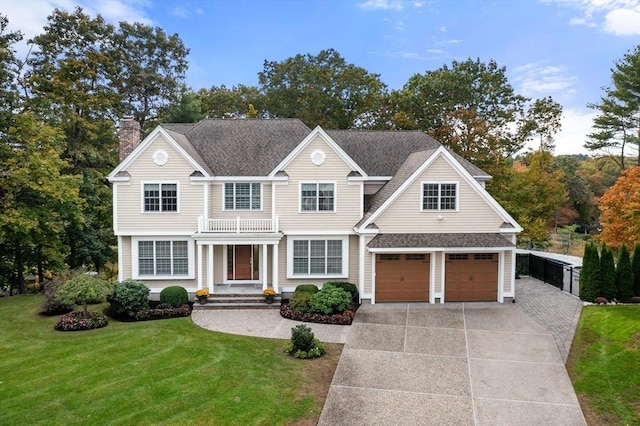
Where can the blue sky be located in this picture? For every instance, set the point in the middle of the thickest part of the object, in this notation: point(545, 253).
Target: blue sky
point(559, 48)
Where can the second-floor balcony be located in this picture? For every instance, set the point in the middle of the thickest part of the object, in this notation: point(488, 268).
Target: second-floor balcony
point(237, 225)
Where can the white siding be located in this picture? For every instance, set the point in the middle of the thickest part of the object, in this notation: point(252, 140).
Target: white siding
point(405, 215)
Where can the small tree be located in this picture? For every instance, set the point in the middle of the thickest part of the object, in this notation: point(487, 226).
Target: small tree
point(624, 276)
point(82, 289)
point(635, 268)
point(607, 274)
point(590, 274)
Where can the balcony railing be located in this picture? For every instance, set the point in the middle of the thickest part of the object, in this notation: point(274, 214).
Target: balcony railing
point(237, 225)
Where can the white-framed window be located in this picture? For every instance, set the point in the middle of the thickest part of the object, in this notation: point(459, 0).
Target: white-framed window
point(326, 257)
point(317, 197)
point(243, 196)
point(439, 196)
point(160, 197)
point(162, 258)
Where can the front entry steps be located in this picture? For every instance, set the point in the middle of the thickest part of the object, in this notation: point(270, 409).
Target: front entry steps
point(238, 301)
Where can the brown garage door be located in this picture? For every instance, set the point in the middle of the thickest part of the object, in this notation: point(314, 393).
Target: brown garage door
point(402, 278)
point(471, 277)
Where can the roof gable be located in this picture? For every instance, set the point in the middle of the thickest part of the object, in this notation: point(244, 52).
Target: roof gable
point(318, 132)
point(183, 149)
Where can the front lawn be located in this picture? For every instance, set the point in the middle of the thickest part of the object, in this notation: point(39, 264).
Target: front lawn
point(151, 372)
point(604, 364)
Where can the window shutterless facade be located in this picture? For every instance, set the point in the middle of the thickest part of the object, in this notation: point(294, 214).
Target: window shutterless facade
point(439, 196)
point(242, 196)
point(160, 197)
point(162, 258)
point(317, 257)
point(317, 197)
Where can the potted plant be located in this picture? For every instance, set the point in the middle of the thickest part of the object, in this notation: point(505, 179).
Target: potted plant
point(202, 295)
point(269, 294)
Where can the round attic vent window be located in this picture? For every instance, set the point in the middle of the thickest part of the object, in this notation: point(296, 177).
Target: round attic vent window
point(160, 157)
point(317, 157)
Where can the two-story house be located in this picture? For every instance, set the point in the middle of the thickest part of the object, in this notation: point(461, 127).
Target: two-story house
point(276, 204)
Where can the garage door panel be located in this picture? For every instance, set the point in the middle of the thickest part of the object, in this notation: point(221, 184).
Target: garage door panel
point(402, 278)
point(471, 277)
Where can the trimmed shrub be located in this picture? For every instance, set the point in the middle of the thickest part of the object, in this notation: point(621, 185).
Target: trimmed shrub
point(346, 286)
point(76, 321)
point(590, 273)
point(330, 300)
point(129, 297)
point(624, 276)
point(635, 267)
point(607, 274)
point(174, 296)
point(51, 305)
point(300, 301)
point(301, 338)
point(307, 288)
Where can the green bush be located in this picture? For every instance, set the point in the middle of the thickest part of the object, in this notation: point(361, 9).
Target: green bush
point(129, 297)
point(348, 287)
point(307, 288)
point(330, 300)
point(300, 301)
point(301, 338)
point(624, 276)
point(175, 296)
point(590, 273)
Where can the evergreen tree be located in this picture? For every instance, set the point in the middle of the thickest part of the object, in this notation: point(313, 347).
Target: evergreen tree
point(624, 276)
point(590, 273)
point(607, 274)
point(635, 268)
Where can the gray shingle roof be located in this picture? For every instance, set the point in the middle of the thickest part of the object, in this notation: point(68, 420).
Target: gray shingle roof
point(447, 240)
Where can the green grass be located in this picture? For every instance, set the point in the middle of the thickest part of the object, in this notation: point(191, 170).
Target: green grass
point(604, 364)
point(152, 372)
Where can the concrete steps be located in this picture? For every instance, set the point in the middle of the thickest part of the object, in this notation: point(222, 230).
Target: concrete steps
point(238, 301)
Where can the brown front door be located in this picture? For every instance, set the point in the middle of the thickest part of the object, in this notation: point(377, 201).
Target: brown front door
point(402, 278)
point(471, 277)
point(243, 262)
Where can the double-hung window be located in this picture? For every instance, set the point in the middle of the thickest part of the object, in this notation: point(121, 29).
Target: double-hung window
point(317, 197)
point(439, 196)
point(242, 196)
point(160, 197)
point(163, 258)
point(318, 257)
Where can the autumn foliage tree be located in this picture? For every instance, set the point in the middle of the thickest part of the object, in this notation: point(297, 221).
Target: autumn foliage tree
point(620, 205)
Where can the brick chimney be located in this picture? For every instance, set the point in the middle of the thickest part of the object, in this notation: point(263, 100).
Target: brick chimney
point(129, 135)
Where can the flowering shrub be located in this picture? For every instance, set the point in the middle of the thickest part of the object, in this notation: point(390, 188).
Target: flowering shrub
point(75, 321)
point(163, 311)
point(203, 293)
point(601, 301)
point(269, 292)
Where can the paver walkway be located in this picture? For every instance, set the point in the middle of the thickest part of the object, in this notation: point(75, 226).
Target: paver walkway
point(555, 309)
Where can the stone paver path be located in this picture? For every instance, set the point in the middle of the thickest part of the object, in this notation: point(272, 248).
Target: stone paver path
point(557, 310)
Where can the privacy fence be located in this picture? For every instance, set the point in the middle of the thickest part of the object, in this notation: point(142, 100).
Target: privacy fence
point(552, 271)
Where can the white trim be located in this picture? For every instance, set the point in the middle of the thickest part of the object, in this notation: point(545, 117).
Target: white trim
point(120, 259)
point(443, 258)
point(135, 258)
point(318, 183)
point(373, 279)
point(155, 234)
point(501, 276)
point(315, 233)
point(210, 268)
point(432, 277)
point(361, 254)
point(439, 183)
point(159, 182)
point(274, 267)
point(142, 146)
point(263, 265)
point(318, 131)
point(325, 237)
point(225, 260)
point(114, 210)
point(199, 263)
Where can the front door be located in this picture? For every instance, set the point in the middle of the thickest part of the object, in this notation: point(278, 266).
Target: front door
point(242, 262)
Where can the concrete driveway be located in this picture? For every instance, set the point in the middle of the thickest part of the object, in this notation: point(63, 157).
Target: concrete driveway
point(452, 364)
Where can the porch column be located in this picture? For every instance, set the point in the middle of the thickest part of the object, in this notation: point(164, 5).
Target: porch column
point(274, 267)
point(210, 270)
point(263, 264)
point(199, 255)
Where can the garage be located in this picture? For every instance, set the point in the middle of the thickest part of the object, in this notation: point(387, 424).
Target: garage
point(402, 277)
point(471, 277)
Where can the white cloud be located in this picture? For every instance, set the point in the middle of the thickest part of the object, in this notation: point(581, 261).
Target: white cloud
point(622, 22)
point(539, 80)
point(381, 5)
point(617, 17)
point(576, 125)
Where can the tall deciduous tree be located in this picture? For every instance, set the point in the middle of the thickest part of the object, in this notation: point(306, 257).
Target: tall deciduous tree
point(620, 205)
point(542, 121)
point(321, 90)
point(618, 124)
point(624, 276)
point(223, 102)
